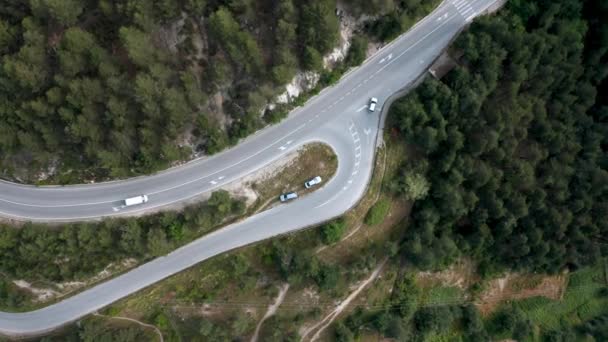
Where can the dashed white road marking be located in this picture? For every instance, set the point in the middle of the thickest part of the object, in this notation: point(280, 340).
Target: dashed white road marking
point(362, 108)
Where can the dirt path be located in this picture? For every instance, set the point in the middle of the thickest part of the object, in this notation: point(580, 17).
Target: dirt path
point(271, 310)
point(160, 335)
point(325, 322)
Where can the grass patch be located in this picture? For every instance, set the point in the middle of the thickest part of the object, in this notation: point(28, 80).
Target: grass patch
point(581, 301)
point(444, 295)
point(378, 212)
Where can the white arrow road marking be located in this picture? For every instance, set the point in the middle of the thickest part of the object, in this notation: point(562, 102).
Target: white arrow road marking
point(382, 60)
point(390, 56)
point(115, 209)
point(213, 182)
point(282, 148)
point(367, 131)
point(289, 142)
point(220, 177)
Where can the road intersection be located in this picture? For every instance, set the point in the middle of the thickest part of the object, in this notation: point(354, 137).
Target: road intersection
point(336, 116)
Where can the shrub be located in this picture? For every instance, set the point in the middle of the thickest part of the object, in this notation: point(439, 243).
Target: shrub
point(332, 232)
point(377, 212)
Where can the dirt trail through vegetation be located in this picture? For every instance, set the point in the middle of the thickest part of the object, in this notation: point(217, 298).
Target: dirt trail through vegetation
point(271, 310)
point(160, 335)
point(325, 322)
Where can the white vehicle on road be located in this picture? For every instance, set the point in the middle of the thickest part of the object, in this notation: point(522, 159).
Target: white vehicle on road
point(141, 199)
point(372, 104)
point(312, 182)
point(288, 196)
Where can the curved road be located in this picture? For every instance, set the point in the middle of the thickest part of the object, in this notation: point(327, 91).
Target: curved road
point(337, 116)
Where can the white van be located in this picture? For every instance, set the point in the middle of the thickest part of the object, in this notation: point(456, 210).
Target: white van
point(141, 199)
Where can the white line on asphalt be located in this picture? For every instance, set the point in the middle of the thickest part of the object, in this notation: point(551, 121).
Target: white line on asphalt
point(362, 108)
point(239, 162)
point(415, 44)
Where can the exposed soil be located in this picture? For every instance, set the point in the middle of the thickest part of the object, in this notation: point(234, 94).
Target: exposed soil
point(461, 274)
point(58, 290)
point(519, 286)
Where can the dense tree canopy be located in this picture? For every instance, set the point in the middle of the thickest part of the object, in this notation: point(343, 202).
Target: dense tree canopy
point(515, 138)
point(78, 250)
point(116, 88)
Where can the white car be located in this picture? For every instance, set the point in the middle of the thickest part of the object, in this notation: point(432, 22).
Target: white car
point(372, 104)
point(288, 196)
point(312, 182)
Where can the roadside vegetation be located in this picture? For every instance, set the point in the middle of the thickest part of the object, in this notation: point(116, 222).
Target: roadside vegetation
point(48, 257)
point(502, 162)
point(111, 89)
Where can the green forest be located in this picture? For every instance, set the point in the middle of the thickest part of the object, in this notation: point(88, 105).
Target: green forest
point(114, 88)
point(513, 142)
point(77, 251)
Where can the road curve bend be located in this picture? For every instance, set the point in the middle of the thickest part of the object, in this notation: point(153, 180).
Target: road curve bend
point(338, 116)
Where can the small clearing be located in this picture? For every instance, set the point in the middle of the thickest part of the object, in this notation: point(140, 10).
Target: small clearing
point(461, 274)
point(42, 294)
point(514, 286)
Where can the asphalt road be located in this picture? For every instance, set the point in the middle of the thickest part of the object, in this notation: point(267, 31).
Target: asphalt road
point(337, 116)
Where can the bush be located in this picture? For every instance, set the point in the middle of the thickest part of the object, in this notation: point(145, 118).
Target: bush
point(377, 212)
point(332, 232)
